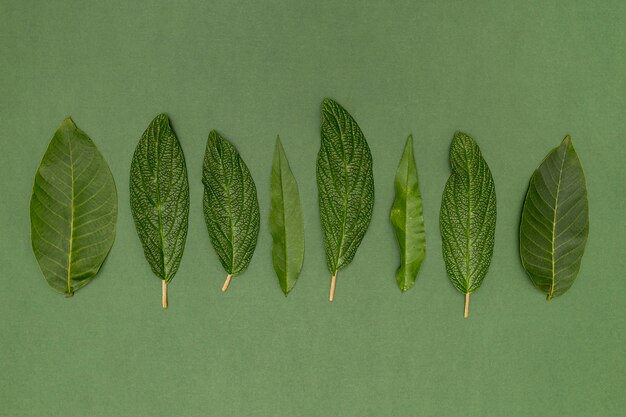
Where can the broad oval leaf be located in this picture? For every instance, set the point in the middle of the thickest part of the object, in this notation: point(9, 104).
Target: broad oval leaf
point(407, 219)
point(73, 210)
point(468, 217)
point(286, 223)
point(555, 221)
point(345, 184)
point(231, 207)
point(159, 198)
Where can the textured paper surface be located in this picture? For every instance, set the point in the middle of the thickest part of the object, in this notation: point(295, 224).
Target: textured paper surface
point(517, 76)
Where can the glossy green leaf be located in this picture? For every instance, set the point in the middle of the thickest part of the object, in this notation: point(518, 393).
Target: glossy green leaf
point(407, 219)
point(555, 221)
point(345, 184)
point(73, 210)
point(286, 224)
point(468, 217)
point(231, 208)
point(159, 198)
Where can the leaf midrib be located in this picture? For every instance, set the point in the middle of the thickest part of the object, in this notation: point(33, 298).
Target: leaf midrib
point(230, 218)
point(159, 208)
point(69, 255)
point(345, 198)
point(556, 206)
point(468, 225)
point(282, 201)
point(406, 215)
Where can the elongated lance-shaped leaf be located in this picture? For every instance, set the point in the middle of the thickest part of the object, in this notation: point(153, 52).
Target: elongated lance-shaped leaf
point(555, 221)
point(468, 217)
point(286, 223)
point(345, 183)
point(407, 219)
point(73, 210)
point(231, 207)
point(159, 199)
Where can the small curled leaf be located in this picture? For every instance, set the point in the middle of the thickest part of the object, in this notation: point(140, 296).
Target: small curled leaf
point(407, 219)
point(286, 223)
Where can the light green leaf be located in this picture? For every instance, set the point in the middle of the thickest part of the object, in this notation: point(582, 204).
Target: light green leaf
point(231, 208)
point(555, 221)
point(159, 198)
point(468, 217)
point(286, 224)
point(407, 219)
point(345, 184)
point(73, 210)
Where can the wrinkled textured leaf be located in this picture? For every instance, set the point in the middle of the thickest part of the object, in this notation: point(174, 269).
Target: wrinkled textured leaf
point(407, 219)
point(159, 197)
point(286, 223)
point(555, 221)
point(468, 216)
point(73, 210)
point(231, 208)
point(345, 184)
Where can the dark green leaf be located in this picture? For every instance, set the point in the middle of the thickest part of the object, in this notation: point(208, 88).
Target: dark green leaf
point(345, 183)
point(159, 198)
point(286, 224)
point(231, 208)
point(73, 210)
point(555, 221)
point(407, 219)
point(468, 217)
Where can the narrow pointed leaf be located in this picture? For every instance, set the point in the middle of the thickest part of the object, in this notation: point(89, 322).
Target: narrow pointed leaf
point(159, 197)
point(286, 223)
point(73, 210)
point(345, 184)
point(468, 216)
point(407, 219)
point(231, 208)
point(555, 221)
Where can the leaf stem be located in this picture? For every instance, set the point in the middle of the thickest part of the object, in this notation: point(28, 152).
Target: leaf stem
point(466, 305)
point(227, 282)
point(164, 296)
point(333, 281)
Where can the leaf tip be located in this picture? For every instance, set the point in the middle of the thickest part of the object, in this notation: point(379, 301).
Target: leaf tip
point(69, 121)
point(409, 143)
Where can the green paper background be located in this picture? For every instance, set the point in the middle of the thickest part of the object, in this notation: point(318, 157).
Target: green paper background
point(517, 76)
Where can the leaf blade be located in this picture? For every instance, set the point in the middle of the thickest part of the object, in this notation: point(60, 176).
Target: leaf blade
point(73, 210)
point(231, 207)
point(468, 216)
point(345, 185)
point(555, 221)
point(407, 219)
point(286, 221)
point(159, 197)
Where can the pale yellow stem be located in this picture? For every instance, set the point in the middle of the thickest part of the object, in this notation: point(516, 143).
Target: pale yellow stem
point(332, 287)
point(466, 305)
point(226, 283)
point(164, 297)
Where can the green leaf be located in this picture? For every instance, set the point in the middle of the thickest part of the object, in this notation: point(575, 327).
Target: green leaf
point(407, 219)
point(159, 198)
point(231, 208)
point(468, 217)
point(345, 184)
point(555, 221)
point(286, 224)
point(73, 210)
